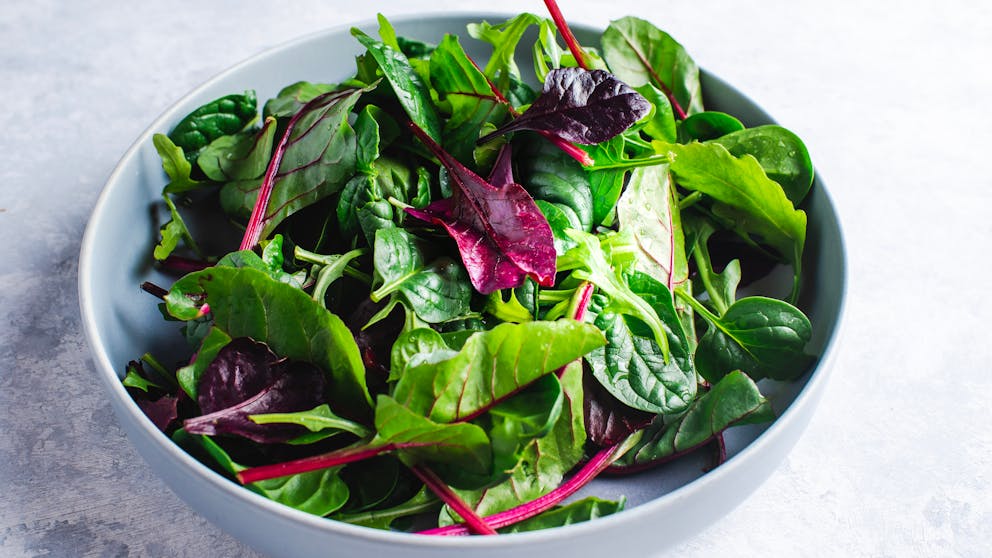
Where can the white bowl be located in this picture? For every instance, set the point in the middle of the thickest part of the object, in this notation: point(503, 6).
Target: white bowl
point(665, 506)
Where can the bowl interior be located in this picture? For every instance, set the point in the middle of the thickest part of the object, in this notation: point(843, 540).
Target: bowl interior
point(122, 321)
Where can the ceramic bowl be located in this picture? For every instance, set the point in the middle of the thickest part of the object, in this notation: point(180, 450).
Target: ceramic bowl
point(664, 507)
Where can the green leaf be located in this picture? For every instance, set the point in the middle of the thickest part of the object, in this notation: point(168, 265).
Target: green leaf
point(518, 421)
point(318, 160)
point(241, 156)
point(660, 123)
point(764, 337)
point(421, 502)
point(465, 94)
point(732, 401)
point(461, 445)
point(291, 98)
point(437, 292)
point(492, 365)
point(708, 125)
point(134, 379)
point(720, 287)
point(317, 492)
point(189, 376)
point(780, 153)
point(544, 462)
point(315, 420)
point(224, 116)
point(411, 92)
point(586, 509)
point(367, 133)
point(246, 302)
point(550, 175)
point(648, 210)
point(504, 37)
point(175, 165)
point(638, 53)
point(418, 341)
point(172, 232)
point(754, 202)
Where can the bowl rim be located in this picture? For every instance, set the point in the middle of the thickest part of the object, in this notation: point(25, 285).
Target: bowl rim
point(805, 396)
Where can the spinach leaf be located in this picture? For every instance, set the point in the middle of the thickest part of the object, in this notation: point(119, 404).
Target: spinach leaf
point(550, 175)
point(637, 52)
point(491, 366)
point(412, 93)
point(708, 125)
point(418, 341)
point(223, 116)
point(249, 303)
point(648, 210)
point(732, 401)
point(437, 292)
point(242, 156)
point(764, 337)
point(502, 236)
point(780, 153)
point(580, 106)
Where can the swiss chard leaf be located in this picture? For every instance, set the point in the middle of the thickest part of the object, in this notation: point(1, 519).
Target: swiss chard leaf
point(315, 158)
point(764, 337)
point(581, 106)
point(437, 292)
point(293, 97)
point(246, 302)
point(501, 234)
point(491, 366)
point(780, 153)
point(223, 116)
point(732, 401)
point(648, 210)
point(465, 94)
point(461, 445)
point(586, 509)
point(637, 52)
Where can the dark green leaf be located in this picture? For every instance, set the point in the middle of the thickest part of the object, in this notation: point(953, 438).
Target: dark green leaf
point(291, 98)
point(550, 175)
point(419, 341)
point(780, 152)
point(708, 125)
point(422, 502)
point(586, 509)
point(224, 116)
point(660, 124)
point(175, 165)
point(241, 156)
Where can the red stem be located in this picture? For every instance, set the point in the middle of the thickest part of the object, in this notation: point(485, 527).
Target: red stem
point(313, 463)
point(448, 496)
point(566, 33)
point(589, 471)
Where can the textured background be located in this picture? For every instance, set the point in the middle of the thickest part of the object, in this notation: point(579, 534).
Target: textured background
point(891, 101)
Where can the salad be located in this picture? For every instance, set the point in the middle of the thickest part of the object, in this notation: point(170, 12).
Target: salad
point(464, 291)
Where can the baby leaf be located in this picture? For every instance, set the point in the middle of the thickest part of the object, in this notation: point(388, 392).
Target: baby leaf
point(172, 232)
point(764, 337)
point(293, 97)
point(318, 419)
point(580, 106)
point(246, 302)
point(504, 37)
point(648, 210)
point(780, 153)
point(223, 116)
point(491, 366)
point(708, 125)
point(241, 156)
point(189, 376)
point(437, 292)
point(586, 509)
point(639, 53)
point(550, 175)
point(175, 165)
point(732, 401)
point(501, 234)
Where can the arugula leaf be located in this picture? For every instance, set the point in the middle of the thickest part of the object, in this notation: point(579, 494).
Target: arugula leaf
point(247, 302)
point(502, 66)
point(175, 165)
point(502, 236)
point(637, 52)
point(491, 366)
point(172, 232)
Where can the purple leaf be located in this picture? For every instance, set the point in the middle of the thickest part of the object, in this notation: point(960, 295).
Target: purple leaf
point(501, 234)
point(608, 421)
point(247, 379)
point(502, 173)
point(162, 411)
point(581, 106)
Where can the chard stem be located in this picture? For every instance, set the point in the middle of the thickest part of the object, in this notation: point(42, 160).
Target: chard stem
point(566, 33)
point(472, 520)
point(313, 463)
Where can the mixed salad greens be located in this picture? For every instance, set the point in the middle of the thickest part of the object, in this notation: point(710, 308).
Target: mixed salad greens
point(459, 298)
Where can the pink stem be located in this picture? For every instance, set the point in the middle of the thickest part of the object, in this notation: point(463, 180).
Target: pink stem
point(589, 471)
point(183, 265)
point(313, 463)
point(566, 33)
point(585, 295)
point(475, 523)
